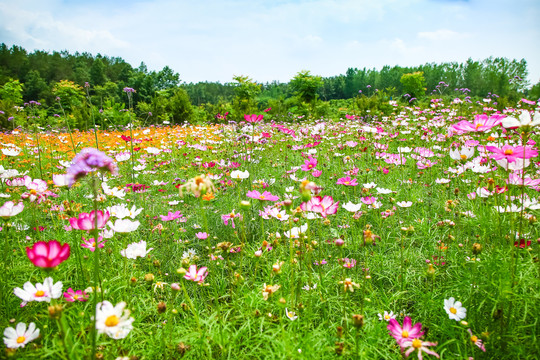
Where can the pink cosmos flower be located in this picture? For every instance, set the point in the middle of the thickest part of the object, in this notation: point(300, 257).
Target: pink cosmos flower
point(201, 235)
point(254, 118)
point(231, 216)
point(265, 196)
point(196, 275)
point(87, 221)
point(71, 295)
point(481, 123)
point(309, 164)
point(476, 341)
point(516, 178)
point(347, 181)
point(316, 173)
point(171, 216)
point(90, 244)
point(511, 153)
point(48, 254)
point(405, 333)
point(323, 206)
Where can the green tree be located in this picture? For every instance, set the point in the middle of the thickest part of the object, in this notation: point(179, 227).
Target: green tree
point(414, 84)
point(97, 73)
point(12, 92)
point(246, 90)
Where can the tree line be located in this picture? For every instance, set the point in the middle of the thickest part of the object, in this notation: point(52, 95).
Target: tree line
point(66, 81)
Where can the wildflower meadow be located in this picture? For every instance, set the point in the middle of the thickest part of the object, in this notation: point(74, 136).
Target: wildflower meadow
point(413, 234)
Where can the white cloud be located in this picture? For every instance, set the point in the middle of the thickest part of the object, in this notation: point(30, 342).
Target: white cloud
point(441, 35)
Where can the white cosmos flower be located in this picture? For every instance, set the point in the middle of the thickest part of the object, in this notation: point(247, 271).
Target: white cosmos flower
point(11, 152)
point(123, 156)
point(524, 120)
point(121, 211)
point(442, 181)
point(454, 309)
point(124, 225)
point(352, 207)
point(10, 209)
point(369, 185)
point(404, 204)
point(20, 336)
point(60, 179)
point(40, 292)
point(135, 250)
point(295, 232)
point(239, 175)
point(291, 315)
point(113, 320)
point(383, 191)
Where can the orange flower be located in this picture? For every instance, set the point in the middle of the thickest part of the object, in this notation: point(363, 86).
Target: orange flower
point(208, 196)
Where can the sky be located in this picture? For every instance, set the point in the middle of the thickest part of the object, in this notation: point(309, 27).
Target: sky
point(214, 40)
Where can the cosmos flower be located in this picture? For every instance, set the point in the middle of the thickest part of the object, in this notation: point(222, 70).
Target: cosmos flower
point(87, 221)
point(124, 225)
point(48, 254)
point(196, 275)
point(135, 250)
point(20, 336)
point(323, 206)
point(40, 292)
point(265, 196)
point(454, 309)
point(421, 346)
point(407, 332)
point(72, 295)
point(113, 320)
point(10, 209)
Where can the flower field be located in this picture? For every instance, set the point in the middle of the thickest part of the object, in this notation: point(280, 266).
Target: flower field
point(414, 235)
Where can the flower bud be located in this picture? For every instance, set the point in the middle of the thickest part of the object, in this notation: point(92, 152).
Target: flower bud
point(245, 205)
point(161, 307)
point(477, 248)
point(430, 271)
point(175, 287)
point(339, 242)
point(358, 320)
point(181, 271)
point(287, 203)
point(149, 277)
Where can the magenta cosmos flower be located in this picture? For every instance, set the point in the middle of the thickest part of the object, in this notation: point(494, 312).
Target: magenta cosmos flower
point(323, 206)
point(511, 153)
point(87, 221)
point(72, 295)
point(88, 160)
point(196, 275)
point(405, 333)
point(265, 196)
point(309, 164)
point(48, 254)
point(347, 181)
point(253, 118)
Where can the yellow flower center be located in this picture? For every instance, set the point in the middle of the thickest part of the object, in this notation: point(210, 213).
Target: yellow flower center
point(112, 320)
point(387, 317)
point(199, 180)
point(508, 152)
point(347, 182)
point(404, 334)
point(33, 192)
point(39, 293)
point(75, 297)
point(20, 339)
point(478, 125)
point(290, 314)
point(464, 157)
point(453, 310)
point(417, 344)
point(474, 338)
point(279, 216)
point(261, 197)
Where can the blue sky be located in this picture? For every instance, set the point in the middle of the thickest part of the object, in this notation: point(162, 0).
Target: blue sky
point(213, 40)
